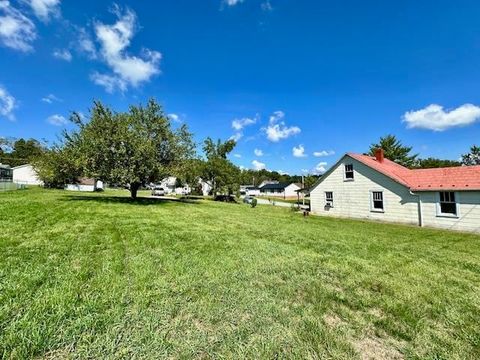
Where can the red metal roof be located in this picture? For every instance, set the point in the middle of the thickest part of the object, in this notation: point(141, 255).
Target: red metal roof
point(450, 178)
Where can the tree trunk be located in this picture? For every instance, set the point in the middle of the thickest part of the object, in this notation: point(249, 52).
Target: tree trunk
point(134, 189)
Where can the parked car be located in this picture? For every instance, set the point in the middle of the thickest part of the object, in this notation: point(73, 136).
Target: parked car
point(158, 191)
point(248, 199)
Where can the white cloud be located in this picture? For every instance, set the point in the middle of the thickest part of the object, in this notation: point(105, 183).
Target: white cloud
point(323, 153)
point(232, 2)
point(435, 118)
point(236, 137)
point(16, 30)
point(174, 117)
point(7, 104)
point(258, 152)
point(57, 120)
point(281, 172)
point(277, 129)
point(266, 5)
point(257, 165)
point(127, 70)
point(50, 98)
point(109, 82)
point(238, 156)
point(43, 9)
point(299, 151)
point(62, 54)
point(239, 124)
point(85, 44)
point(320, 168)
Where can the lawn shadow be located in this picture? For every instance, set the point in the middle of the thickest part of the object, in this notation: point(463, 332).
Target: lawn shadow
point(144, 201)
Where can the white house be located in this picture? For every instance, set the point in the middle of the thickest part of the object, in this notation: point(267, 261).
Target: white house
point(168, 184)
point(26, 175)
point(85, 185)
point(281, 190)
point(249, 190)
point(366, 187)
point(207, 187)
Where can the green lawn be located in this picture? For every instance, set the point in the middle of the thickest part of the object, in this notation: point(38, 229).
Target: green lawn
point(97, 276)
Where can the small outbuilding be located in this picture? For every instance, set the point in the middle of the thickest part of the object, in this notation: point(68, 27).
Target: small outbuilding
point(85, 185)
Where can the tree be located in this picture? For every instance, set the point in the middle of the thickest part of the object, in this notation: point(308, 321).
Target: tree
point(429, 163)
point(223, 174)
point(473, 157)
point(130, 148)
point(57, 167)
point(395, 151)
point(20, 151)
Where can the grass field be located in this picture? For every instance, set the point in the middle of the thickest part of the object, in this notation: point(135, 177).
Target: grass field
point(99, 276)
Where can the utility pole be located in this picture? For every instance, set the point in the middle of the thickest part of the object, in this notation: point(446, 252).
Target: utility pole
point(303, 189)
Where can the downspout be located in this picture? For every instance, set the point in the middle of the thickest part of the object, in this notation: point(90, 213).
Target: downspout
point(420, 213)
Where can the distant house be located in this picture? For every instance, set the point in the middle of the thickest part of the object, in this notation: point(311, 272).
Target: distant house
point(26, 175)
point(206, 186)
point(85, 185)
point(362, 186)
point(249, 190)
point(168, 184)
point(281, 190)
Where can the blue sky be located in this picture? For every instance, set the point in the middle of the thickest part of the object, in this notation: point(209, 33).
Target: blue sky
point(297, 82)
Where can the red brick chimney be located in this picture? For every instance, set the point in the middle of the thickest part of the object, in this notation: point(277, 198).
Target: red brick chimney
point(379, 155)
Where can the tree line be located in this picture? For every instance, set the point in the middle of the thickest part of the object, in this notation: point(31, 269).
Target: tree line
point(140, 146)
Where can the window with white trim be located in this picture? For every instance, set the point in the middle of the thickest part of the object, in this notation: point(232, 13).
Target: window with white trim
point(447, 204)
point(349, 172)
point(329, 198)
point(377, 201)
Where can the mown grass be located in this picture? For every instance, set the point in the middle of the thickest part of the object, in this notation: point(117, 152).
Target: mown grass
point(99, 276)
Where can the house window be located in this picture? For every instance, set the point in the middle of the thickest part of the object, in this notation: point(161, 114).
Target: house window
point(329, 198)
point(377, 201)
point(348, 172)
point(448, 205)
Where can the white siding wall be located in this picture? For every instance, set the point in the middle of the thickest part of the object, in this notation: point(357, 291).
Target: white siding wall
point(290, 191)
point(353, 198)
point(468, 211)
point(26, 175)
point(78, 187)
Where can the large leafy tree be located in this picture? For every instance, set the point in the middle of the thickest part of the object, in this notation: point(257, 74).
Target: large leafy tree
point(395, 151)
point(223, 174)
point(130, 148)
point(473, 157)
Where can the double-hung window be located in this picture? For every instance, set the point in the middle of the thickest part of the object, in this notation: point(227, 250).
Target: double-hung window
point(349, 172)
point(447, 204)
point(329, 198)
point(377, 201)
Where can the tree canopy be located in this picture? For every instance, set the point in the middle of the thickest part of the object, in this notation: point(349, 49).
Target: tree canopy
point(395, 151)
point(126, 148)
point(15, 152)
point(217, 169)
point(473, 157)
